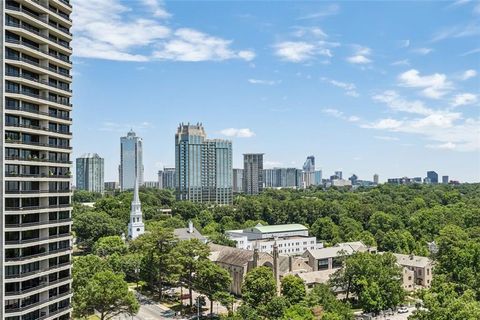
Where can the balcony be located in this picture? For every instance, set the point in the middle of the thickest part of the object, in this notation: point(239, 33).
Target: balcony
point(57, 13)
point(30, 273)
point(58, 116)
point(35, 191)
point(33, 63)
point(18, 125)
point(38, 255)
point(32, 30)
point(31, 306)
point(37, 96)
point(44, 82)
point(38, 287)
point(37, 223)
point(33, 240)
point(25, 44)
point(55, 206)
point(35, 159)
point(40, 18)
point(38, 144)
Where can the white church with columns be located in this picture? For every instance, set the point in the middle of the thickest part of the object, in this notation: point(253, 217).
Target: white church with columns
point(135, 227)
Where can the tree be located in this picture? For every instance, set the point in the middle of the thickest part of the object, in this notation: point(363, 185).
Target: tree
point(259, 287)
point(326, 229)
point(190, 254)
point(92, 225)
point(210, 280)
point(106, 246)
point(375, 280)
point(298, 312)
point(293, 289)
point(82, 196)
point(225, 299)
point(322, 296)
point(108, 294)
point(275, 309)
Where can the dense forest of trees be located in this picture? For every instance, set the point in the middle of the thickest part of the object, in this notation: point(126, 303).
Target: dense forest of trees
point(400, 219)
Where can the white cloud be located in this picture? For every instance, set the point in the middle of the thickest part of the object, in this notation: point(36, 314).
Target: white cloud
point(463, 99)
point(157, 8)
point(192, 45)
point(403, 62)
point(434, 86)
point(340, 115)
point(404, 43)
point(360, 56)
point(330, 10)
point(476, 50)
point(386, 138)
point(238, 133)
point(468, 74)
point(397, 103)
point(108, 29)
point(459, 31)
point(387, 123)
point(422, 51)
point(300, 51)
point(442, 146)
point(314, 32)
point(350, 88)
point(266, 82)
point(353, 119)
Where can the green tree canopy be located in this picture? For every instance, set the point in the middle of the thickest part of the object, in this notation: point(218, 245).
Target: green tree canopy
point(259, 287)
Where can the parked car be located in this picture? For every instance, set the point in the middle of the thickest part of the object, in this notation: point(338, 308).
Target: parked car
point(402, 309)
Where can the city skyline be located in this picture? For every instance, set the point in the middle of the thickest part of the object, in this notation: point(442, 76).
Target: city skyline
point(387, 100)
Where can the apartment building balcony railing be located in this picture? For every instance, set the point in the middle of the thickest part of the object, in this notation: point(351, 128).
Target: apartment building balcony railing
point(55, 206)
point(19, 308)
point(31, 143)
point(53, 115)
point(37, 96)
point(37, 175)
point(33, 63)
point(33, 272)
point(37, 159)
point(58, 311)
point(40, 18)
point(61, 14)
point(26, 241)
point(32, 30)
point(38, 223)
point(30, 78)
point(41, 285)
point(67, 2)
point(19, 125)
point(36, 191)
point(38, 255)
point(28, 45)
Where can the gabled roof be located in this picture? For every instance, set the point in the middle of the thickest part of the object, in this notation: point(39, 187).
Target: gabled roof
point(331, 252)
point(184, 234)
point(232, 256)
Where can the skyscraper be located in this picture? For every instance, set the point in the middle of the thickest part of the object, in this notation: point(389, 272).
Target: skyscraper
point(131, 161)
point(252, 173)
point(90, 173)
point(445, 179)
point(203, 167)
point(237, 180)
point(339, 175)
point(309, 172)
point(168, 178)
point(318, 177)
point(136, 227)
point(375, 178)
point(432, 177)
point(35, 219)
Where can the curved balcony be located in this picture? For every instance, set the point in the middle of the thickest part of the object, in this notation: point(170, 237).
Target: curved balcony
point(59, 15)
point(21, 276)
point(20, 308)
point(31, 47)
point(37, 96)
point(62, 46)
point(27, 225)
point(35, 208)
point(44, 83)
point(37, 144)
point(34, 240)
point(37, 128)
point(37, 255)
point(42, 285)
point(33, 159)
point(29, 110)
point(68, 77)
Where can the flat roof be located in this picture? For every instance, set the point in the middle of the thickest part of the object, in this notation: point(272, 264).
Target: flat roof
point(277, 228)
point(412, 261)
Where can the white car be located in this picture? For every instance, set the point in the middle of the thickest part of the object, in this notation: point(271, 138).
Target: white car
point(402, 310)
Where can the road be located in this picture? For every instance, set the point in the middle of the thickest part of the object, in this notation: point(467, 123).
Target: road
point(149, 310)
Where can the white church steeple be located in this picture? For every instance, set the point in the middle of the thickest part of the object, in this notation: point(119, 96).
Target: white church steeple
point(136, 226)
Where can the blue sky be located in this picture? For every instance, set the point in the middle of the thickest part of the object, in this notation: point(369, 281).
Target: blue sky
point(367, 87)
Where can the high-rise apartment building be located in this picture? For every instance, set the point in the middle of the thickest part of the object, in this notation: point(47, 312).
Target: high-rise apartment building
point(375, 178)
point(90, 173)
point(309, 172)
point(252, 173)
point(339, 175)
point(166, 178)
point(270, 178)
point(318, 177)
point(35, 219)
point(131, 161)
point(203, 166)
point(432, 177)
point(445, 179)
point(237, 180)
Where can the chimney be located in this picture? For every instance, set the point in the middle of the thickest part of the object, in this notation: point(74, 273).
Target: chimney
point(190, 226)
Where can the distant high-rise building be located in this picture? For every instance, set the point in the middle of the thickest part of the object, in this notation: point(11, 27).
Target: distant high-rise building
point(160, 179)
point(111, 185)
point(36, 152)
point(270, 178)
point(318, 177)
point(339, 174)
point(203, 167)
point(237, 180)
point(168, 178)
point(375, 178)
point(445, 179)
point(135, 226)
point(433, 176)
point(131, 161)
point(309, 172)
point(252, 173)
point(151, 184)
point(353, 179)
point(90, 173)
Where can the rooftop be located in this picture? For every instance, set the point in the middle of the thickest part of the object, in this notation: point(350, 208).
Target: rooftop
point(184, 234)
point(331, 252)
point(276, 228)
point(412, 261)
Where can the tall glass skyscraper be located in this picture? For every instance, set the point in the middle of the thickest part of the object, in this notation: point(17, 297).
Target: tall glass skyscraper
point(131, 161)
point(309, 172)
point(90, 173)
point(253, 173)
point(203, 167)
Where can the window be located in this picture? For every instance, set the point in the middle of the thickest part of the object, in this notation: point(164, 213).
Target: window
point(322, 264)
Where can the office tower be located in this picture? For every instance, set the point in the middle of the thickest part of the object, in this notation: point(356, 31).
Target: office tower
point(90, 173)
point(131, 161)
point(111, 185)
point(151, 184)
point(353, 179)
point(375, 178)
point(432, 177)
point(35, 219)
point(309, 172)
point(160, 179)
point(237, 180)
point(203, 167)
point(252, 173)
point(168, 178)
point(318, 177)
point(270, 178)
point(445, 179)
point(136, 227)
point(339, 175)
